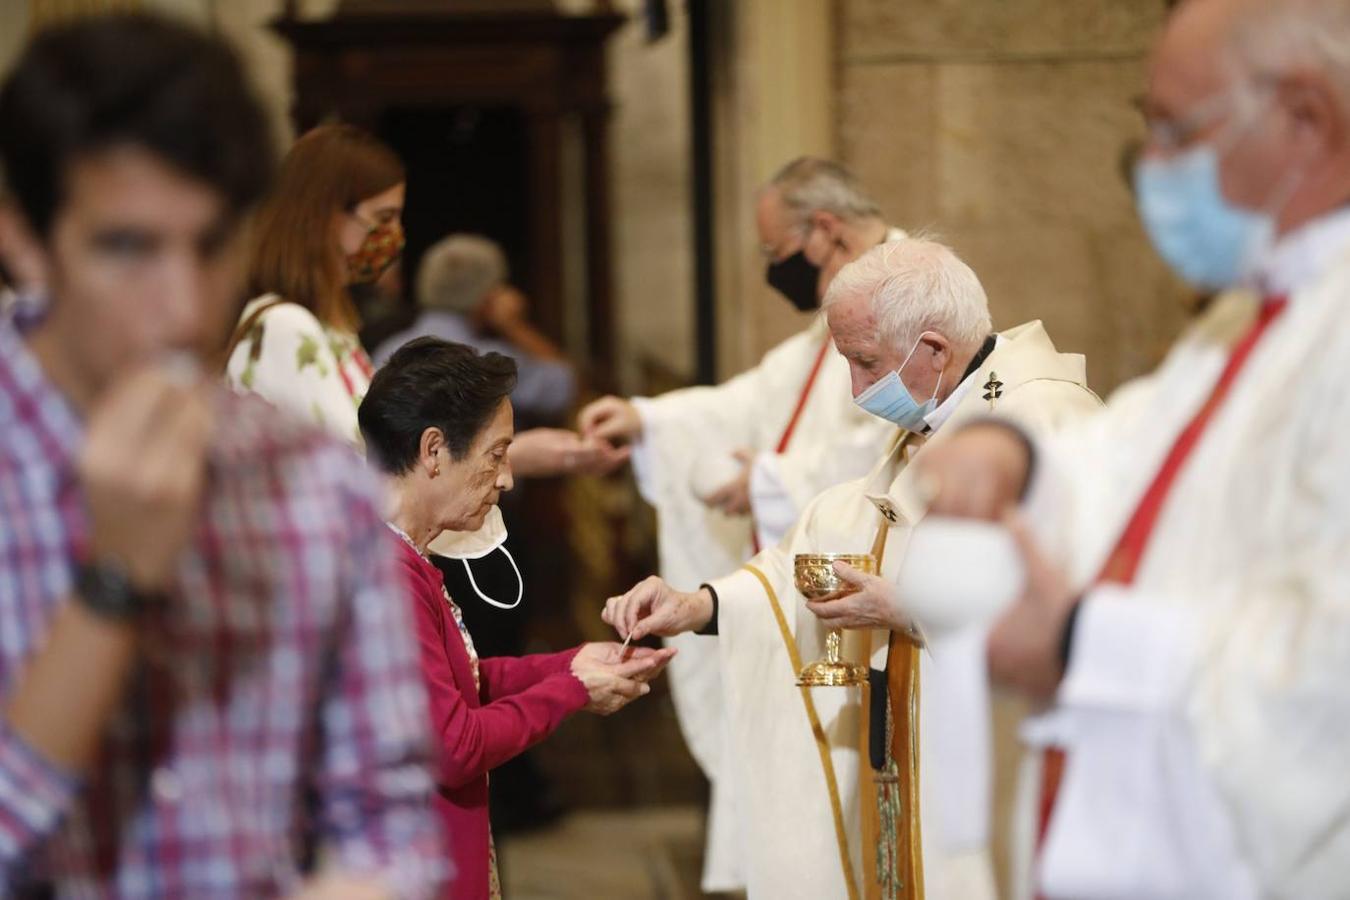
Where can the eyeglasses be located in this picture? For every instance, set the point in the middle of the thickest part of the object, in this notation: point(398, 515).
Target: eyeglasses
point(800, 231)
point(1172, 134)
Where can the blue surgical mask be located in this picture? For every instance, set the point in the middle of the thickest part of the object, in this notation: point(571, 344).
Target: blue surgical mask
point(889, 399)
point(1205, 239)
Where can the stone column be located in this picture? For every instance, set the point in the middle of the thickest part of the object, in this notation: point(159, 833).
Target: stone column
point(1000, 124)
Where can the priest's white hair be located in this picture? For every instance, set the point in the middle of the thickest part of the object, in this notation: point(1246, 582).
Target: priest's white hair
point(1269, 38)
point(917, 285)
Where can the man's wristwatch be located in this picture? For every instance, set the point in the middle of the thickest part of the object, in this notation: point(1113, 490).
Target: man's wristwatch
point(105, 588)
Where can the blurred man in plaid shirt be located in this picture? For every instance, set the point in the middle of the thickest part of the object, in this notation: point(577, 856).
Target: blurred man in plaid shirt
point(207, 680)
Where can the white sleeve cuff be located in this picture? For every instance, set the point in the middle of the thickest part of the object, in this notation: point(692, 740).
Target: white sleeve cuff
point(1128, 653)
point(644, 467)
point(770, 501)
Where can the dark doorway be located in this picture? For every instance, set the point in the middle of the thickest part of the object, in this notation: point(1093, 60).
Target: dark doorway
point(468, 171)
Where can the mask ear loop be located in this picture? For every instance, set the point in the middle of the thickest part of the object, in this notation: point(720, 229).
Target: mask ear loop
point(520, 590)
point(915, 349)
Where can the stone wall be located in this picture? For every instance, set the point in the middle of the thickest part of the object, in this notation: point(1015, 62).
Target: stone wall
point(1000, 124)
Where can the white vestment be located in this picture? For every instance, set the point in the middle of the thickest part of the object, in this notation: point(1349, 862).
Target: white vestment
point(796, 753)
point(688, 438)
point(1206, 707)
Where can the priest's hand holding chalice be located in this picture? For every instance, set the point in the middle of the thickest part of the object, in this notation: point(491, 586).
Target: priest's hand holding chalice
point(821, 577)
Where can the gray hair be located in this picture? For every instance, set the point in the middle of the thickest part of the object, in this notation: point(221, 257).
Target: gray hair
point(458, 272)
point(916, 285)
point(1271, 37)
point(809, 185)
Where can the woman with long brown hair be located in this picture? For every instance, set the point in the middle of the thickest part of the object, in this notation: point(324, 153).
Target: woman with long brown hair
point(332, 220)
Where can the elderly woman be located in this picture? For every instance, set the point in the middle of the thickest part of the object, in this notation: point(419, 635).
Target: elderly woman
point(465, 296)
point(438, 420)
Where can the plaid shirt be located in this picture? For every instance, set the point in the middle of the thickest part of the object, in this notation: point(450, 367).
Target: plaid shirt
point(277, 704)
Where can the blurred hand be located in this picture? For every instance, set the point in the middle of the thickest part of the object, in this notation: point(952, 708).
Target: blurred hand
point(546, 452)
point(611, 419)
point(869, 601)
point(143, 470)
point(978, 474)
point(654, 607)
point(502, 309)
point(644, 663)
point(733, 498)
point(335, 886)
point(1024, 645)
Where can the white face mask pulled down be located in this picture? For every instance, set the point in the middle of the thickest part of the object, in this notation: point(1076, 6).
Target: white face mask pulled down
point(469, 545)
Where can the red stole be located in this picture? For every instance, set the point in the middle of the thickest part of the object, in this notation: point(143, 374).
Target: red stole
point(1123, 563)
point(786, 437)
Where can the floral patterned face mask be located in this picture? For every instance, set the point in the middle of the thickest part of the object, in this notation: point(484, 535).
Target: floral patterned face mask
point(381, 247)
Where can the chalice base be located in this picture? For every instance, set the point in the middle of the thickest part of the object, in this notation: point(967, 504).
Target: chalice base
point(831, 673)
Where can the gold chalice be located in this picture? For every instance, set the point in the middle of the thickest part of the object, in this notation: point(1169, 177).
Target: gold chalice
point(814, 576)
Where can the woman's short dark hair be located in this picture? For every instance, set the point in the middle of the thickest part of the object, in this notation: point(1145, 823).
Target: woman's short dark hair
point(431, 383)
point(130, 80)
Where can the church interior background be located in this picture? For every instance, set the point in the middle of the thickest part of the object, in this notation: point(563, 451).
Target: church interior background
point(1000, 125)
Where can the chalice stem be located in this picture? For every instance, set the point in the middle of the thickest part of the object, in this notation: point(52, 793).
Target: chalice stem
point(832, 646)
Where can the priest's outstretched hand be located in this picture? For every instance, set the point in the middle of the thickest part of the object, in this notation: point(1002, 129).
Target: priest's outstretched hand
point(654, 607)
point(610, 419)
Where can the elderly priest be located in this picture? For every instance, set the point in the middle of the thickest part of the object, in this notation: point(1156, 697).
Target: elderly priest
point(831, 796)
point(730, 467)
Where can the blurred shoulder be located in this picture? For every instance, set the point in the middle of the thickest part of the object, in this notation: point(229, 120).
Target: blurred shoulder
point(257, 440)
point(277, 313)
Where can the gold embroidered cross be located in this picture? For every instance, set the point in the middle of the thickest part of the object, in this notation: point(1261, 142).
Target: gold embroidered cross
point(993, 389)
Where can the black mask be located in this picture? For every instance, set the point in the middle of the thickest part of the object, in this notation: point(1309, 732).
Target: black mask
point(796, 278)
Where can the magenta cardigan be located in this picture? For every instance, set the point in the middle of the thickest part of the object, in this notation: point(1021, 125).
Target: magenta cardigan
point(523, 700)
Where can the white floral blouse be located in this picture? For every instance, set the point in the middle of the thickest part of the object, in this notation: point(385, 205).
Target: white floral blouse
point(302, 367)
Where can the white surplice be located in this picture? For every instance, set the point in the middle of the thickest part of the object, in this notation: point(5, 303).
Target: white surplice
point(688, 438)
point(800, 789)
point(1206, 707)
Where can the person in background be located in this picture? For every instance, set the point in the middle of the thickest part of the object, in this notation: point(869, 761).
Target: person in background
point(331, 221)
point(465, 297)
point(206, 669)
point(438, 421)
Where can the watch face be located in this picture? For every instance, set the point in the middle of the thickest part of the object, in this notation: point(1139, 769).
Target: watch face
point(105, 588)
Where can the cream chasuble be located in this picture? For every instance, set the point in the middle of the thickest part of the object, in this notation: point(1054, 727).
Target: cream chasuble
point(1206, 709)
point(797, 754)
point(687, 441)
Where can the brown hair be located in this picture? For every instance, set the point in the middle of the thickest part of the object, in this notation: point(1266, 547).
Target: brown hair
point(329, 169)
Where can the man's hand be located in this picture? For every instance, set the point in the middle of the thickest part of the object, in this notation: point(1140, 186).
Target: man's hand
point(733, 498)
point(654, 607)
point(610, 419)
point(143, 470)
point(640, 663)
point(546, 452)
point(978, 474)
point(1023, 648)
point(502, 310)
point(870, 601)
